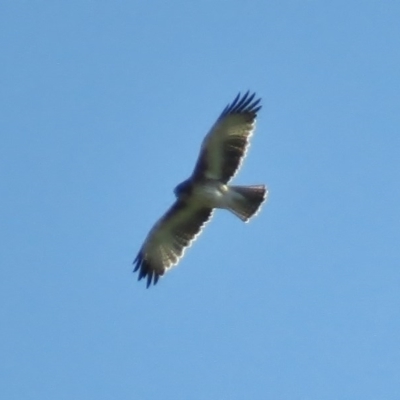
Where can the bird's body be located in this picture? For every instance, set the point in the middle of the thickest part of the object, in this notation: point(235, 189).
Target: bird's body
point(208, 193)
point(221, 155)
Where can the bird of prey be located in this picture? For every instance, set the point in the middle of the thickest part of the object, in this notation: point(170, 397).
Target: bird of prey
point(221, 155)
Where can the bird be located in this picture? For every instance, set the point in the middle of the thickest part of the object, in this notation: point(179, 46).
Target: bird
point(221, 155)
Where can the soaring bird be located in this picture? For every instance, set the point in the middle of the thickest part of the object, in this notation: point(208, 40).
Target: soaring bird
point(221, 155)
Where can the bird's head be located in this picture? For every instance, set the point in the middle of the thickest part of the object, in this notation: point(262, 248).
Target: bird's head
point(183, 189)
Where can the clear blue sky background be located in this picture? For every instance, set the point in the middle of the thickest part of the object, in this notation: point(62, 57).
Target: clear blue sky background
point(103, 108)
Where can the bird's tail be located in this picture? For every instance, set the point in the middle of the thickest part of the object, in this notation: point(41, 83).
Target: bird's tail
point(245, 201)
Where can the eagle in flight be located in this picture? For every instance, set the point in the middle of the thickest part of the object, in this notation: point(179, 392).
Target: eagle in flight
point(221, 154)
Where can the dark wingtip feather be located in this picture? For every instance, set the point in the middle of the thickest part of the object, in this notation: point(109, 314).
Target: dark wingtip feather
point(145, 270)
point(149, 278)
point(243, 104)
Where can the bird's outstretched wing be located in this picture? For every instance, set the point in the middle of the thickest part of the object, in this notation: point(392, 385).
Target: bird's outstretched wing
point(225, 146)
point(168, 239)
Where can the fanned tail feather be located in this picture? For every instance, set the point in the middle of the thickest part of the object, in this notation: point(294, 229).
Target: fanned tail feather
point(246, 201)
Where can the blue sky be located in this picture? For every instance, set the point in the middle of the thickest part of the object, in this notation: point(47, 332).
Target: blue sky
point(103, 109)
